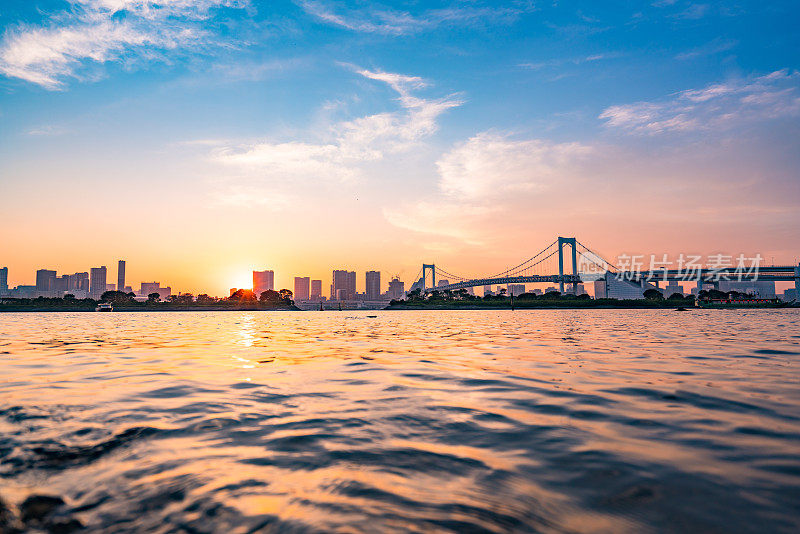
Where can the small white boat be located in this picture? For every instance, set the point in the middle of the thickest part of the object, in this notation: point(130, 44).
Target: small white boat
point(104, 307)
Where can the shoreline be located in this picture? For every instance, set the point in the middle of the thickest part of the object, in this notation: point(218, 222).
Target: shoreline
point(397, 308)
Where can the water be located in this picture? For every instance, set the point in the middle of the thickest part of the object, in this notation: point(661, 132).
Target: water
point(543, 420)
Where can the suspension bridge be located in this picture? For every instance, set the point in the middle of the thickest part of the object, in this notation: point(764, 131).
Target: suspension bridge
point(585, 265)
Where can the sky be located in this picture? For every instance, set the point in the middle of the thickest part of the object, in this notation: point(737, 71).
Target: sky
point(202, 139)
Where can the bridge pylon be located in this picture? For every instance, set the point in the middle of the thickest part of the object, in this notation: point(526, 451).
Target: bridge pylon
point(425, 268)
point(570, 241)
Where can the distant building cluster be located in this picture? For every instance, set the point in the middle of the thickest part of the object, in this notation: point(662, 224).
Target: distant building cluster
point(91, 284)
point(613, 287)
point(342, 289)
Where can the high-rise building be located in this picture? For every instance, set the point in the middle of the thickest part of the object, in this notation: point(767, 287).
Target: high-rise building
point(78, 282)
point(672, 288)
point(3, 280)
point(343, 286)
point(396, 289)
point(154, 287)
point(301, 287)
point(263, 281)
point(443, 282)
point(62, 285)
point(516, 289)
point(45, 282)
point(487, 291)
point(121, 275)
point(97, 281)
point(373, 287)
point(316, 290)
point(149, 287)
point(351, 285)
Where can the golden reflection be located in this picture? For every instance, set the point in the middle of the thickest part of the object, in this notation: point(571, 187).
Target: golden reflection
point(528, 421)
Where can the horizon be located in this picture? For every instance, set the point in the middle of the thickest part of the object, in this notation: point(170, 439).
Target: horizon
point(201, 142)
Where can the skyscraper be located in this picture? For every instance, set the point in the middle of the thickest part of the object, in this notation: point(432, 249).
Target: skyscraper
point(516, 289)
point(62, 285)
point(78, 282)
point(3, 279)
point(301, 287)
point(45, 282)
point(121, 275)
point(396, 289)
point(343, 286)
point(262, 281)
point(97, 281)
point(373, 287)
point(316, 290)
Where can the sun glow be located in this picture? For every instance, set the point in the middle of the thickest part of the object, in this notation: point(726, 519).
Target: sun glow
point(240, 279)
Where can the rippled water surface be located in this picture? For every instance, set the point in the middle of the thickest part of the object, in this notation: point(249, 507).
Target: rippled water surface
point(544, 420)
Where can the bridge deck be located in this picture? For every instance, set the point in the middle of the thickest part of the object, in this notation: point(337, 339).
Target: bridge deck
point(772, 273)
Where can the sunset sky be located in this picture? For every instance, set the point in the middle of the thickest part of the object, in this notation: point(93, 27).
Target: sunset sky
point(201, 139)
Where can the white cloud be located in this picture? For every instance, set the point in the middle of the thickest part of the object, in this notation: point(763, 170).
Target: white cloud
point(349, 144)
point(717, 106)
point(481, 179)
point(391, 22)
point(451, 219)
point(489, 165)
point(99, 31)
point(47, 130)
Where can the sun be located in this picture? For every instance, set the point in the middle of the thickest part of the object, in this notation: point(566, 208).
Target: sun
point(241, 279)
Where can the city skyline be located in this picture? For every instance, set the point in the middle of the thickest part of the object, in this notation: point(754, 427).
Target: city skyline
point(302, 135)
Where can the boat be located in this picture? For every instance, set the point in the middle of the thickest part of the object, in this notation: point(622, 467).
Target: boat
point(104, 307)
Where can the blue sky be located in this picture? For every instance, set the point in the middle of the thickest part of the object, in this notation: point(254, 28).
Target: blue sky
point(306, 135)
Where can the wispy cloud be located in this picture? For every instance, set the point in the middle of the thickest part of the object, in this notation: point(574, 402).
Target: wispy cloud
point(538, 65)
point(714, 47)
point(482, 177)
point(348, 144)
point(376, 19)
point(47, 130)
point(491, 164)
point(100, 31)
point(717, 106)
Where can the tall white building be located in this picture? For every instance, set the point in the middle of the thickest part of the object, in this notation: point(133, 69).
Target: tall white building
point(612, 287)
point(516, 289)
point(373, 285)
point(121, 275)
point(343, 285)
point(316, 290)
point(396, 289)
point(3, 280)
point(302, 286)
point(97, 281)
point(263, 281)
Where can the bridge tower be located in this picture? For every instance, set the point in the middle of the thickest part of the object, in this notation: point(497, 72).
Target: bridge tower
point(562, 241)
point(797, 281)
point(425, 268)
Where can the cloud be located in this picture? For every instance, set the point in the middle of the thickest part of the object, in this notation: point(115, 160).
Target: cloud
point(490, 165)
point(392, 22)
point(714, 47)
point(349, 144)
point(481, 179)
point(100, 31)
point(47, 130)
point(715, 107)
point(538, 65)
point(446, 218)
